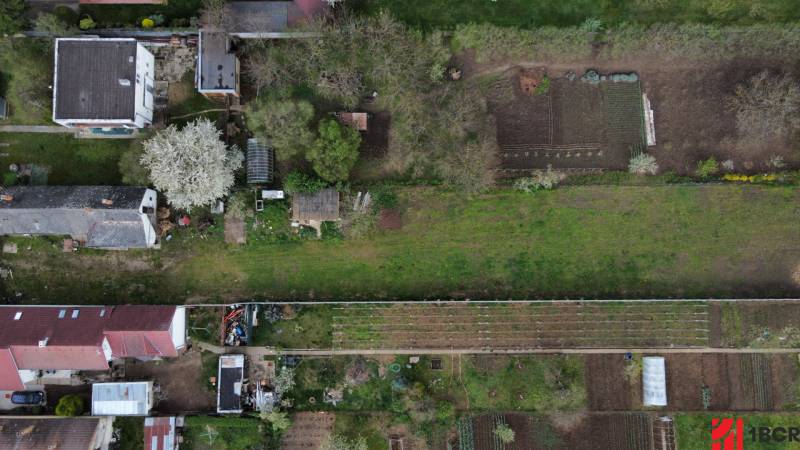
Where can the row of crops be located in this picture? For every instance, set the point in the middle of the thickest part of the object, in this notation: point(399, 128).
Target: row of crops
point(521, 326)
point(755, 376)
point(624, 115)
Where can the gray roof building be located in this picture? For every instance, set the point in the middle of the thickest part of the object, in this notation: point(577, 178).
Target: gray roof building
point(103, 83)
point(122, 399)
point(111, 217)
point(230, 377)
point(320, 206)
point(62, 433)
point(218, 66)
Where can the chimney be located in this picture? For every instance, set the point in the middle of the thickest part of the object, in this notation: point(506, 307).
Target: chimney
point(43, 342)
point(107, 201)
point(6, 197)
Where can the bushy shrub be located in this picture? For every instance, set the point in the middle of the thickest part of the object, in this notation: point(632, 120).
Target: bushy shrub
point(539, 180)
point(87, 23)
point(643, 164)
point(298, 182)
point(69, 405)
point(283, 123)
point(707, 168)
point(504, 433)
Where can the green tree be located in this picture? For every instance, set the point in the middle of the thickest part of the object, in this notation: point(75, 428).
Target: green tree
point(52, 24)
point(504, 433)
point(285, 123)
point(335, 151)
point(69, 405)
point(11, 16)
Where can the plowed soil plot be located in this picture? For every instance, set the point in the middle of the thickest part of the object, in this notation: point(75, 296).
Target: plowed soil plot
point(574, 125)
point(608, 389)
point(521, 326)
point(761, 324)
point(737, 382)
point(309, 430)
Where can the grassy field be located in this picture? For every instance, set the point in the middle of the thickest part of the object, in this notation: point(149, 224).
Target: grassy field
point(225, 433)
point(694, 430)
point(526, 14)
point(70, 161)
point(577, 242)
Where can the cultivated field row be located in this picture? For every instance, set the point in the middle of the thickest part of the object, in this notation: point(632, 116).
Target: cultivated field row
point(666, 324)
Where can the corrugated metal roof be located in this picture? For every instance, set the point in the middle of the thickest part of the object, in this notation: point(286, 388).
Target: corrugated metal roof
point(122, 399)
point(159, 433)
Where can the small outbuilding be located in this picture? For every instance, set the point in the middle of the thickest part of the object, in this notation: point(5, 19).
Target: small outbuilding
point(3, 108)
point(217, 65)
point(654, 381)
point(230, 378)
point(319, 206)
point(122, 399)
point(161, 433)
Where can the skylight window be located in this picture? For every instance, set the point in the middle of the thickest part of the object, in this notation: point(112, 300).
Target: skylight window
point(62, 313)
point(75, 313)
point(18, 315)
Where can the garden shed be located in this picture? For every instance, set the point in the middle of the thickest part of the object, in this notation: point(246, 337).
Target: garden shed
point(319, 206)
point(122, 399)
point(654, 381)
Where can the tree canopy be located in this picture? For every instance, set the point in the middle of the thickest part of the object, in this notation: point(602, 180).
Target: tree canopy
point(192, 166)
point(335, 151)
point(11, 16)
point(285, 123)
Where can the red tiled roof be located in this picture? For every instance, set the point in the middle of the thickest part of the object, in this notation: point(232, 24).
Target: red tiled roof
point(126, 344)
point(59, 357)
point(140, 318)
point(9, 375)
point(73, 337)
point(35, 324)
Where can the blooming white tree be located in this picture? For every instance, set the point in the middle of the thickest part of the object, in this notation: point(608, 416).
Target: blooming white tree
point(192, 166)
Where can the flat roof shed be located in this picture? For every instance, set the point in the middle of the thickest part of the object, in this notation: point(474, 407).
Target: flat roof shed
point(322, 205)
point(229, 384)
point(122, 399)
point(218, 65)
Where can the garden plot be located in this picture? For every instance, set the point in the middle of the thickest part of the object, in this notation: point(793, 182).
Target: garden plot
point(574, 125)
point(309, 430)
point(521, 326)
point(734, 382)
point(619, 431)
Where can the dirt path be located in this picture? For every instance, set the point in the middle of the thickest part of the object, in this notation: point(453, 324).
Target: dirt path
point(258, 352)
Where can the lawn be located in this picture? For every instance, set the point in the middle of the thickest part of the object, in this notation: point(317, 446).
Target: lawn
point(576, 242)
point(694, 430)
point(70, 161)
point(224, 433)
point(431, 14)
point(528, 383)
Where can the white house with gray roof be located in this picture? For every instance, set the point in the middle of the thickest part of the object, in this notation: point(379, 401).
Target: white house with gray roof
point(108, 217)
point(103, 83)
